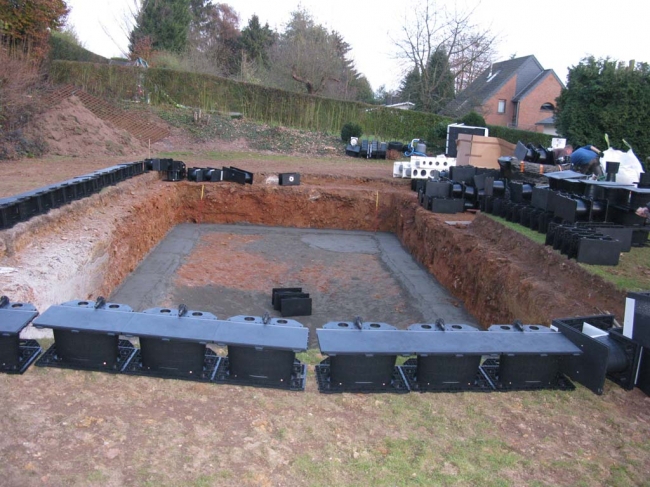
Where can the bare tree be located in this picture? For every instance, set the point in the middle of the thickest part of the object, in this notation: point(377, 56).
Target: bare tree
point(433, 28)
point(306, 53)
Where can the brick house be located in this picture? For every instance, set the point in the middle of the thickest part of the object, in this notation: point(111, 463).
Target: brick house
point(516, 93)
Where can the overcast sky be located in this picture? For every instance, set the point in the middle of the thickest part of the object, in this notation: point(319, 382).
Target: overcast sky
point(558, 32)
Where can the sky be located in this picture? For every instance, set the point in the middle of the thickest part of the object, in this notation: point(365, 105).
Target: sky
point(558, 32)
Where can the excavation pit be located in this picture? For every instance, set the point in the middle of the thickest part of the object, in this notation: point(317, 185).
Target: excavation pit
point(491, 274)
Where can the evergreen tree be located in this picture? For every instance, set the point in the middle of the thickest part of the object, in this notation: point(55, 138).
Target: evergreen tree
point(440, 82)
point(165, 23)
point(606, 97)
point(363, 90)
point(256, 40)
point(409, 89)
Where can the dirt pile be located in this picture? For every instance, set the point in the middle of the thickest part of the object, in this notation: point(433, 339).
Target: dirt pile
point(70, 129)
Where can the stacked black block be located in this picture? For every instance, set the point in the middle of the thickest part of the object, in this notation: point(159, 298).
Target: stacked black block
point(16, 354)
point(173, 344)
point(22, 207)
point(607, 353)
point(289, 179)
point(291, 301)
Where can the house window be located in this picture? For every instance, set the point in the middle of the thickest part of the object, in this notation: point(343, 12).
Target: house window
point(501, 107)
point(547, 106)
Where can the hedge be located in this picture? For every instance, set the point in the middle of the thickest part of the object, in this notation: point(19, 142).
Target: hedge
point(62, 48)
point(257, 102)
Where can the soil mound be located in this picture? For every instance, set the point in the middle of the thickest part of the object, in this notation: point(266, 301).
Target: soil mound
point(70, 129)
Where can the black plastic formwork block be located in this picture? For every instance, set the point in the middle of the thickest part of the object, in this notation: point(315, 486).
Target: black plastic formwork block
point(566, 208)
point(176, 171)
point(639, 197)
point(87, 350)
point(353, 150)
point(470, 196)
point(623, 216)
point(528, 216)
point(644, 180)
point(196, 174)
point(640, 236)
point(264, 366)
point(462, 174)
point(438, 189)
point(204, 174)
point(447, 205)
point(520, 192)
point(280, 290)
point(618, 232)
point(360, 372)
point(445, 372)
point(528, 371)
point(134, 168)
point(265, 335)
point(284, 295)
point(607, 353)
point(272, 367)
point(382, 148)
point(174, 358)
point(599, 250)
point(637, 327)
point(540, 197)
point(15, 354)
point(563, 180)
point(292, 305)
point(418, 184)
point(543, 221)
point(289, 179)
point(423, 201)
point(82, 349)
point(161, 165)
point(213, 175)
point(487, 204)
point(237, 175)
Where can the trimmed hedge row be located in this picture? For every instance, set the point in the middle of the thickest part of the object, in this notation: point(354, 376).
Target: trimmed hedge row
point(514, 135)
point(256, 102)
point(62, 48)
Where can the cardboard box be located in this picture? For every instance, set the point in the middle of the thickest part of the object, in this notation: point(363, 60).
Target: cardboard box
point(481, 151)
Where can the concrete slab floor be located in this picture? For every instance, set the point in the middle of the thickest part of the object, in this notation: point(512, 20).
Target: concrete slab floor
point(230, 270)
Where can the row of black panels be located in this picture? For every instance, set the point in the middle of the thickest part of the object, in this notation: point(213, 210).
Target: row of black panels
point(22, 207)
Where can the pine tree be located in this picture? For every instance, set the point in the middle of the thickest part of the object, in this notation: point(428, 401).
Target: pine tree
point(165, 23)
point(256, 40)
point(440, 82)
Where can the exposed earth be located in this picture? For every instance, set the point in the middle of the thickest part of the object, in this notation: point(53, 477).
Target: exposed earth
point(63, 427)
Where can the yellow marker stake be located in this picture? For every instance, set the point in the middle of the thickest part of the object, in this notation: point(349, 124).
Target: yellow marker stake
point(202, 189)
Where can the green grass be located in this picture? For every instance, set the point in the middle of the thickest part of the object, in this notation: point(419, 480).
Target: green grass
point(526, 232)
point(311, 357)
point(231, 156)
point(631, 274)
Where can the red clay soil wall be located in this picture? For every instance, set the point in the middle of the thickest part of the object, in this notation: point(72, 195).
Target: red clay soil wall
point(501, 275)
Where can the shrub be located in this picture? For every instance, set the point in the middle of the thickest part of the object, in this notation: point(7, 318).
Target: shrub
point(350, 130)
point(437, 137)
point(474, 119)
